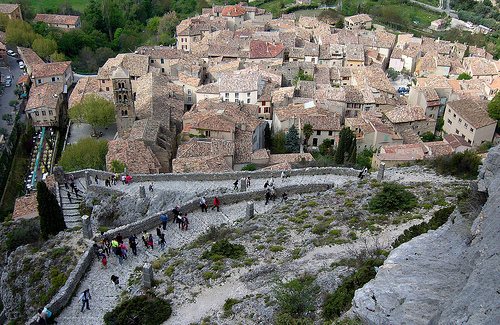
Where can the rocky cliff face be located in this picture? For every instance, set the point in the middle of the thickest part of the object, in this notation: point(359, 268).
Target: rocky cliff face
point(447, 276)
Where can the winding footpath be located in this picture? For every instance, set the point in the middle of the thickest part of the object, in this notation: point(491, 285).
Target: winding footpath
point(105, 295)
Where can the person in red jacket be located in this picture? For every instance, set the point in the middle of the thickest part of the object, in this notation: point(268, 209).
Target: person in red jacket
point(216, 203)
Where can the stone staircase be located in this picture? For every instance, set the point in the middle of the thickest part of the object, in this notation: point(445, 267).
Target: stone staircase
point(71, 213)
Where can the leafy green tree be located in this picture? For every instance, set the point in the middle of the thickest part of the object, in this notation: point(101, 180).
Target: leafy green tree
point(494, 107)
point(340, 23)
point(144, 310)
point(308, 131)
point(302, 75)
point(49, 211)
point(464, 76)
point(117, 167)
point(18, 92)
point(13, 103)
point(325, 147)
point(439, 124)
point(4, 20)
point(93, 110)
point(58, 57)
point(268, 137)
point(279, 142)
point(467, 52)
point(461, 164)
point(392, 74)
point(292, 140)
point(249, 167)
point(392, 197)
point(428, 137)
point(86, 153)
point(44, 47)
point(20, 33)
point(7, 117)
point(345, 146)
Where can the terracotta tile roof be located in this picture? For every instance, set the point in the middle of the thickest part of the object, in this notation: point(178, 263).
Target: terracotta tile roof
point(438, 149)
point(280, 94)
point(192, 81)
point(355, 53)
point(30, 57)
point(209, 147)
point(397, 53)
point(7, 8)
point(25, 207)
point(456, 141)
point(480, 66)
point(57, 19)
point(23, 79)
point(50, 69)
point(306, 88)
point(281, 166)
point(225, 66)
point(355, 94)
point(203, 164)
point(45, 95)
point(162, 52)
point(238, 82)
point(138, 158)
point(373, 77)
point(375, 121)
point(435, 82)
point(233, 11)
point(157, 98)
point(272, 76)
point(324, 120)
point(260, 49)
point(473, 111)
point(136, 64)
point(359, 125)
point(325, 94)
point(212, 88)
point(347, 37)
point(308, 22)
point(260, 154)
point(430, 93)
point(84, 86)
point(361, 18)
point(404, 114)
point(290, 158)
point(412, 50)
point(401, 152)
point(428, 63)
point(193, 26)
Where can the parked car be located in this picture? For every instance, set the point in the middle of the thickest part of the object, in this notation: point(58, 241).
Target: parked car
point(8, 83)
point(404, 90)
point(21, 65)
point(11, 53)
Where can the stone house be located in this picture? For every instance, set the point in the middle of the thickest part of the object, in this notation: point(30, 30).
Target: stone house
point(469, 119)
point(411, 117)
point(64, 22)
point(480, 68)
point(241, 87)
point(358, 21)
point(427, 98)
point(397, 155)
point(371, 132)
point(137, 65)
point(29, 57)
point(45, 106)
point(57, 72)
point(11, 10)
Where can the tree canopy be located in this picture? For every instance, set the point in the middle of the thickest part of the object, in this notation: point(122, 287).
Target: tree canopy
point(44, 47)
point(93, 110)
point(86, 153)
point(494, 107)
point(464, 76)
point(392, 197)
point(308, 131)
point(49, 211)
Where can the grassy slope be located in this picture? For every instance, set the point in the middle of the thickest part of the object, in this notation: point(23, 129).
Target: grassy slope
point(41, 5)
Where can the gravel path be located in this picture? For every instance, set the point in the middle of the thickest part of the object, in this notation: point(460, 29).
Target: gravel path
point(105, 295)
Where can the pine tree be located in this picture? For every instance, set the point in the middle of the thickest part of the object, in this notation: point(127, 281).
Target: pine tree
point(49, 211)
point(292, 140)
point(268, 137)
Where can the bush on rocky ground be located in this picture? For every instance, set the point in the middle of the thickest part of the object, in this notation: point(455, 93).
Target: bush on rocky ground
point(392, 197)
point(340, 300)
point(461, 164)
point(296, 300)
point(440, 218)
point(223, 248)
point(140, 310)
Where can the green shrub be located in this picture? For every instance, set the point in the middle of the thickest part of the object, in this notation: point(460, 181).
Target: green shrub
point(260, 247)
point(440, 217)
point(392, 197)
point(249, 167)
point(461, 164)
point(340, 192)
point(297, 297)
point(287, 319)
point(296, 253)
point(27, 233)
point(228, 306)
point(276, 249)
point(225, 248)
point(37, 276)
point(320, 228)
point(328, 213)
point(312, 203)
point(208, 275)
point(340, 301)
point(140, 310)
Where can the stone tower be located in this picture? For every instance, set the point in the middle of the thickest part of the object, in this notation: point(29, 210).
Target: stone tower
point(123, 100)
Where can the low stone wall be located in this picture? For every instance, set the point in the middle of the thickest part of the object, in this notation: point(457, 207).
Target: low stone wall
point(225, 199)
point(65, 293)
point(219, 176)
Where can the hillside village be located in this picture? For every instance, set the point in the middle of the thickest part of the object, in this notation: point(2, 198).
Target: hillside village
point(202, 106)
point(205, 106)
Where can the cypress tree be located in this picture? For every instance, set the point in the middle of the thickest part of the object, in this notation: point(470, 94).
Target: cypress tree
point(49, 211)
point(346, 138)
point(353, 151)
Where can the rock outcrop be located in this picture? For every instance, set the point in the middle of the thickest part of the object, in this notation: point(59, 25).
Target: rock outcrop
point(447, 276)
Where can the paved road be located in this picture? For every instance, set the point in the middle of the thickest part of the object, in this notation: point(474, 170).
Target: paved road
point(8, 92)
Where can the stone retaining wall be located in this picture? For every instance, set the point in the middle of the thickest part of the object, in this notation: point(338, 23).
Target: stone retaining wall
point(65, 293)
point(219, 176)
